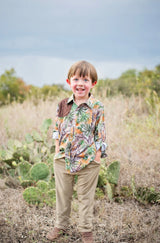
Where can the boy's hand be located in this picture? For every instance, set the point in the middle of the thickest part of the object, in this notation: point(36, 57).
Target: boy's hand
point(56, 146)
point(98, 156)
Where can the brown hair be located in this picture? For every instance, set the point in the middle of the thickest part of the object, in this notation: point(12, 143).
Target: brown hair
point(82, 69)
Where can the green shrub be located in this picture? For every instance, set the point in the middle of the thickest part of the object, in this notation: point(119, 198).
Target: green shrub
point(99, 193)
point(147, 195)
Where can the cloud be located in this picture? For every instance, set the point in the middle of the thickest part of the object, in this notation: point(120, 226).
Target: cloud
point(105, 30)
point(42, 38)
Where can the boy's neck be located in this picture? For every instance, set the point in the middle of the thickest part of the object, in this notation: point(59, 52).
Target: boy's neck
point(81, 101)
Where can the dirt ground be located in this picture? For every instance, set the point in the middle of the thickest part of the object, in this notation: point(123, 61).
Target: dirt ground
point(113, 222)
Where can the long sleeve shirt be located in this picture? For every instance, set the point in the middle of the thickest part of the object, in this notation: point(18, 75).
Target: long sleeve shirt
point(80, 131)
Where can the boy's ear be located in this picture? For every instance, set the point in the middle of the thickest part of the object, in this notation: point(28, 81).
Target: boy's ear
point(93, 84)
point(68, 81)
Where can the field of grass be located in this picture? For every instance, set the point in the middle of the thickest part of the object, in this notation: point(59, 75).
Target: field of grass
point(133, 138)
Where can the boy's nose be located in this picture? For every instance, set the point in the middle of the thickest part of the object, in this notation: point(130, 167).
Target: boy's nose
point(80, 81)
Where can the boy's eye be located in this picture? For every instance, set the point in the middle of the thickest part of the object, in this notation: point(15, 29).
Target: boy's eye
point(85, 80)
point(75, 79)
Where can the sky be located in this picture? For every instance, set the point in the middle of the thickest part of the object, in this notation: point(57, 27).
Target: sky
point(41, 39)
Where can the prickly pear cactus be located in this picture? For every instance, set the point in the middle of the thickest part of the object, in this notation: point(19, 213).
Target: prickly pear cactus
point(45, 126)
point(42, 185)
point(50, 197)
point(27, 183)
point(40, 171)
point(41, 194)
point(23, 169)
point(32, 195)
point(109, 191)
point(113, 172)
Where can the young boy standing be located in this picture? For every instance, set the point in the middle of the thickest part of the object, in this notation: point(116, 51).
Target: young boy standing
point(79, 135)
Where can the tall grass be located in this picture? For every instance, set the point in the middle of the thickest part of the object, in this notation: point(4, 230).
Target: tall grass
point(133, 134)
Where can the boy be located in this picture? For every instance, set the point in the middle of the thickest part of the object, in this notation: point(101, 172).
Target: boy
point(80, 143)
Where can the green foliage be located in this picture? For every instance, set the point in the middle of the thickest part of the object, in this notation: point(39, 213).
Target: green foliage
point(32, 195)
point(27, 183)
point(51, 90)
point(21, 153)
point(108, 178)
point(113, 172)
point(109, 191)
point(42, 186)
point(147, 195)
point(28, 138)
point(23, 170)
point(99, 193)
point(12, 88)
point(40, 171)
point(45, 126)
point(126, 191)
point(143, 195)
point(50, 197)
point(130, 83)
point(37, 137)
point(40, 195)
point(32, 162)
point(102, 179)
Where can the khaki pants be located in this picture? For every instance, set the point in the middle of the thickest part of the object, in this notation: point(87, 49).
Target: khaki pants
point(86, 186)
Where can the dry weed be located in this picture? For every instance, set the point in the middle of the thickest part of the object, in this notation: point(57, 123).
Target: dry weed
point(113, 223)
point(132, 136)
point(133, 140)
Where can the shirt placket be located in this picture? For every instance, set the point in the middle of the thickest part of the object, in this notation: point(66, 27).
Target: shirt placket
point(69, 154)
point(73, 136)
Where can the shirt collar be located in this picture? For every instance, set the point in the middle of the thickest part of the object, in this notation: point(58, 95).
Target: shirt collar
point(90, 102)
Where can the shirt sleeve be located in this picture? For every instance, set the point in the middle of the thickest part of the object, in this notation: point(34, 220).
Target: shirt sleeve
point(55, 130)
point(100, 133)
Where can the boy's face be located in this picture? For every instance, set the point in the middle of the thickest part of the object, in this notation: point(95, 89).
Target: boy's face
point(81, 86)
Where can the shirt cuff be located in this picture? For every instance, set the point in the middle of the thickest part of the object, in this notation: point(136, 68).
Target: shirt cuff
point(55, 135)
point(102, 147)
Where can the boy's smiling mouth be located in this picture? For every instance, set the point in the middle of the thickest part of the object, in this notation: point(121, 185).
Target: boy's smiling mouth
point(80, 89)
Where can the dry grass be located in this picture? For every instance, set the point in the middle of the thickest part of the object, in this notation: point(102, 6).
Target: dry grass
point(133, 139)
point(113, 223)
point(132, 135)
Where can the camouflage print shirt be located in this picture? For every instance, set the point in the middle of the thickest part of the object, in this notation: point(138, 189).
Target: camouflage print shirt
point(80, 131)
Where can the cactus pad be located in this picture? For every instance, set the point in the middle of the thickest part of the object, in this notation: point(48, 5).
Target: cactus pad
point(40, 171)
point(42, 185)
point(23, 170)
point(113, 172)
point(32, 195)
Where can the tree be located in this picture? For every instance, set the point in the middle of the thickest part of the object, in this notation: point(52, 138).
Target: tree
point(12, 88)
